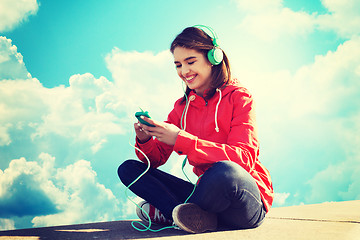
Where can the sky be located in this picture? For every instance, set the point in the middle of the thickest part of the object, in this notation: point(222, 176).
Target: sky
point(73, 73)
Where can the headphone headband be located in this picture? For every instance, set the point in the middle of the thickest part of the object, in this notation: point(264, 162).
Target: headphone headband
point(215, 55)
point(214, 36)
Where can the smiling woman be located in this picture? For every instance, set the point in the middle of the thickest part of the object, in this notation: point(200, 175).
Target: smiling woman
point(216, 129)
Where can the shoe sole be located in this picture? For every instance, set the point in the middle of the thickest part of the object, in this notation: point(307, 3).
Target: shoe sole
point(143, 217)
point(139, 212)
point(191, 218)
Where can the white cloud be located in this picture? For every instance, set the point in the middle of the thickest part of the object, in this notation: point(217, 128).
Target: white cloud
point(331, 84)
point(20, 100)
point(340, 181)
point(270, 20)
point(65, 111)
point(129, 207)
point(58, 195)
point(87, 111)
point(6, 224)
point(275, 25)
point(4, 135)
point(14, 12)
point(23, 180)
point(335, 183)
point(78, 183)
point(309, 121)
point(259, 6)
point(174, 164)
point(145, 80)
point(328, 88)
point(280, 198)
point(343, 17)
point(11, 61)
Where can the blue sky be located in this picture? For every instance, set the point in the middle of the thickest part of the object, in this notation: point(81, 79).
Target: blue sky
point(72, 74)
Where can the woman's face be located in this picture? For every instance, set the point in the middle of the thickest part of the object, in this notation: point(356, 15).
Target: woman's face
point(193, 68)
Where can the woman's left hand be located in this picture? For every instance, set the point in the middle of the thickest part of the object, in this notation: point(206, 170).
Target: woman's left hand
point(164, 132)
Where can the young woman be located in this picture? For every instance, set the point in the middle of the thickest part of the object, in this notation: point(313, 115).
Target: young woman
point(214, 125)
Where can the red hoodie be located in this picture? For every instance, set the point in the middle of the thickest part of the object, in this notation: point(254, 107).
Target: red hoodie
point(220, 129)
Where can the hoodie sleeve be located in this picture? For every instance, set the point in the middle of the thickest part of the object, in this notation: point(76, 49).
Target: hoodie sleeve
point(241, 145)
point(157, 152)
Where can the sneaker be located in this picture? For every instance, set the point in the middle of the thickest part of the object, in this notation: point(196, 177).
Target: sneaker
point(155, 215)
point(191, 218)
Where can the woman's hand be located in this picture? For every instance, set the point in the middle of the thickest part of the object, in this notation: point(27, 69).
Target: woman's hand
point(164, 132)
point(140, 133)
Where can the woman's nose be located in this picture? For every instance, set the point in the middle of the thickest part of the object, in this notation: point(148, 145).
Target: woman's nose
point(185, 70)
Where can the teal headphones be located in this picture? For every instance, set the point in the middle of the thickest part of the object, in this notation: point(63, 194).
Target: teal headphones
point(215, 55)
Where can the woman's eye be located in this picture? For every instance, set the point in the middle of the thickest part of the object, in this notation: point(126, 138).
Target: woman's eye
point(177, 66)
point(191, 62)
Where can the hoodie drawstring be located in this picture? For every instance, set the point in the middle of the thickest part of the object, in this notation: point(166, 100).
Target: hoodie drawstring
point(216, 110)
point(183, 117)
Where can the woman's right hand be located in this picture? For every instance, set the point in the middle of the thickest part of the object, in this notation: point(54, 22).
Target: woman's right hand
point(140, 134)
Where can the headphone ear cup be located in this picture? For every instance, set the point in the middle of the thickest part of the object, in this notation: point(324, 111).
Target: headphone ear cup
point(215, 56)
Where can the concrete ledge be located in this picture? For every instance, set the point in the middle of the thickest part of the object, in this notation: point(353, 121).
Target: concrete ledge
point(338, 220)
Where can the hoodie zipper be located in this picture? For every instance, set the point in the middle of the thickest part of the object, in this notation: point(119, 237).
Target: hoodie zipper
point(205, 115)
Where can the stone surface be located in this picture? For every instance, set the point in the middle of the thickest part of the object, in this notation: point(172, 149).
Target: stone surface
point(335, 220)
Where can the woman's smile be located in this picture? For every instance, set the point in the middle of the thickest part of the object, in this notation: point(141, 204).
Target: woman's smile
point(190, 79)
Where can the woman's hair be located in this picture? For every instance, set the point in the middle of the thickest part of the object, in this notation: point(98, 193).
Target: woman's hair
point(197, 39)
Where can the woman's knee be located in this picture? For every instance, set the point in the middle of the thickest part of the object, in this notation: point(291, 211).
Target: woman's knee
point(230, 175)
point(129, 169)
point(228, 170)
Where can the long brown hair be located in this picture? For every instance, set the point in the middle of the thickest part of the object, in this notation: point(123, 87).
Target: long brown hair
point(197, 39)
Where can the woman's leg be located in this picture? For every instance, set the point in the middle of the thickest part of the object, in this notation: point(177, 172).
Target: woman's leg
point(160, 189)
point(229, 191)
